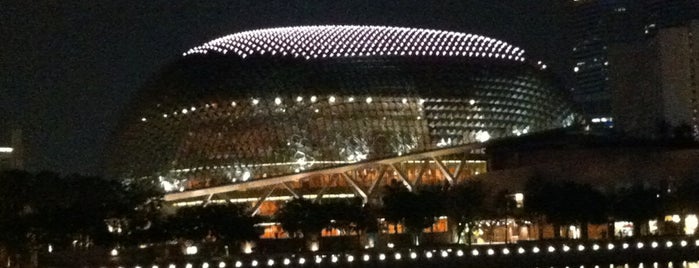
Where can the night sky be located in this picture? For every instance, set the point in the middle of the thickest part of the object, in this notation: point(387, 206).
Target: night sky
point(68, 68)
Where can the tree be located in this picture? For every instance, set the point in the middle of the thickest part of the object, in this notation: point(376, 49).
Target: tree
point(416, 211)
point(636, 204)
point(304, 216)
point(465, 204)
point(226, 223)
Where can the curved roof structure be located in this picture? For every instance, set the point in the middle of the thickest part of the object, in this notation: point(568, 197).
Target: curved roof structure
point(311, 42)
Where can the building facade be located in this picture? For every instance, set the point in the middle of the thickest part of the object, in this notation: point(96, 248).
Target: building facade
point(277, 102)
point(598, 24)
point(654, 83)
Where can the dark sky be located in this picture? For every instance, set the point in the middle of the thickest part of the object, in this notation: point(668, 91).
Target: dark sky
point(68, 68)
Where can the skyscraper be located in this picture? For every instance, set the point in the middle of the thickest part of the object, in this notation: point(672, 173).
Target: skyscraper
point(594, 25)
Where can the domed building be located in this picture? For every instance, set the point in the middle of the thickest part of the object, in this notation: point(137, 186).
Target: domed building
point(273, 102)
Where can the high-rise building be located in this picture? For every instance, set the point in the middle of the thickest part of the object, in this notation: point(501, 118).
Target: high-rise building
point(594, 25)
point(654, 83)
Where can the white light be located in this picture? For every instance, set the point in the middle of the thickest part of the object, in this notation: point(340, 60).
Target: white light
point(114, 252)
point(184, 111)
point(333, 259)
point(366, 257)
point(191, 250)
point(445, 254)
point(302, 260)
point(668, 244)
point(505, 251)
point(270, 262)
point(171, 266)
point(143, 119)
point(221, 265)
point(566, 248)
point(413, 255)
point(397, 256)
point(254, 263)
point(238, 264)
point(610, 246)
point(318, 259)
point(351, 99)
point(683, 243)
point(189, 265)
point(350, 258)
point(491, 251)
point(331, 99)
point(428, 254)
point(205, 265)
point(390, 245)
point(482, 136)
point(595, 247)
point(624, 245)
point(551, 249)
point(369, 100)
point(654, 244)
point(299, 99)
point(521, 251)
point(581, 247)
point(576, 69)
point(50, 249)
point(639, 245)
point(475, 252)
point(277, 100)
point(255, 101)
point(404, 100)
point(382, 256)
point(313, 98)
point(535, 249)
point(193, 109)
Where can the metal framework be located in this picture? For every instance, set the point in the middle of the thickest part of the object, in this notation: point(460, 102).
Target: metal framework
point(446, 166)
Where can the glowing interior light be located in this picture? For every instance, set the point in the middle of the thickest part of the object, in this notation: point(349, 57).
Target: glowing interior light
point(482, 136)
